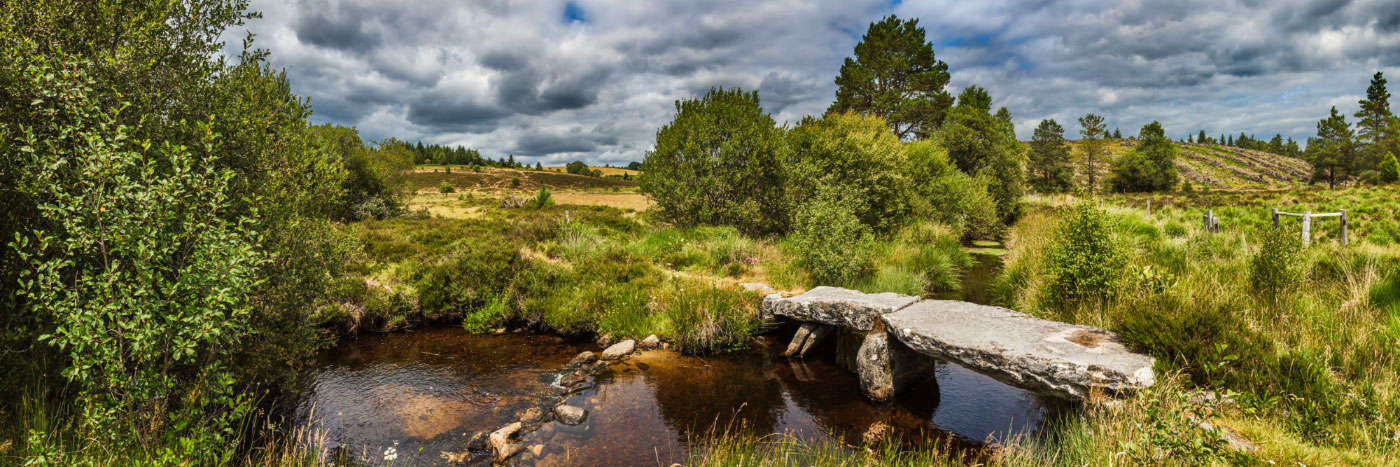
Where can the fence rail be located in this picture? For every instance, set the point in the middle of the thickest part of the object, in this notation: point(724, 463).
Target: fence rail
point(1308, 216)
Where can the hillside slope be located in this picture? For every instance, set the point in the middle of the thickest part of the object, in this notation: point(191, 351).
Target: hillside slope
point(1215, 166)
point(494, 178)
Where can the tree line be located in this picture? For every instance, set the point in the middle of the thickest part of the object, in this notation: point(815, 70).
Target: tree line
point(1364, 152)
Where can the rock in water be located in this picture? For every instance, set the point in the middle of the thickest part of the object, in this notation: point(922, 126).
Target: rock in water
point(619, 350)
point(886, 366)
point(1049, 357)
point(570, 415)
point(582, 359)
point(837, 306)
point(500, 442)
point(651, 342)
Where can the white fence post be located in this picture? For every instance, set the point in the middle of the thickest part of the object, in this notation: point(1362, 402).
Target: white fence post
point(1307, 228)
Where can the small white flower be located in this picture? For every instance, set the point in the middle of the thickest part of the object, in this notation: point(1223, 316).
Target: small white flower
point(391, 453)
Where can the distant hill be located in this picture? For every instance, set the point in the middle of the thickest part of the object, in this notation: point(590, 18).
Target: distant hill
point(1217, 166)
point(425, 178)
point(605, 170)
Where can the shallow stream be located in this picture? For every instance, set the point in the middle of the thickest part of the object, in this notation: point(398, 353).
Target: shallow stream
point(427, 392)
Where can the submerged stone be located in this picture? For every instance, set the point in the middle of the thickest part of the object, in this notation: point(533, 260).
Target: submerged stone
point(885, 366)
point(1049, 357)
point(582, 359)
point(837, 306)
point(570, 415)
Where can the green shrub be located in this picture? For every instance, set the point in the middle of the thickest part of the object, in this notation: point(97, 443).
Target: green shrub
point(948, 196)
point(447, 187)
point(832, 242)
point(1389, 168)
point(1149, 166)
point(857, 156)
point(1084, 260)
point(1369, 177)
point(542, 199)
point(1277, 268)
point(515, 182)
point(719, 162)
point(468, 276)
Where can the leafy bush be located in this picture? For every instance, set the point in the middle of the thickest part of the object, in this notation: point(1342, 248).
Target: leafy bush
point(1084, 260)
point(718, 163)
point(1277, 268)
point(1389, 168)
point(515, 182)
point(948, 196)
point(833, 242)
point(1369, 177)
point(146, 287)
point(1148, 167)
point(446, 187)
point(468, 276)
point(578, 168)
point(858, 156)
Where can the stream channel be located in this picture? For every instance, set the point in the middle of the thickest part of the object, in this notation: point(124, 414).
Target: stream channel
point(427, 392)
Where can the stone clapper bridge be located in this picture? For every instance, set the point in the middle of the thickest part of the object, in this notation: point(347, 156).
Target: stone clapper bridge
point(901, 333)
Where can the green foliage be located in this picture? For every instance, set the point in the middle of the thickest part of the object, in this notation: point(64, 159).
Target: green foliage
point(1333, 150)
point(578, 168)
point(1389, 168)
point(859, 157)
point(1150, 166)
point(543, 199)
point(515, 182)
point(467, 276)
point(374, 185)
point(146, 287)
point(833, 242)
point(718, 163)
point(895, 76)
point(1093, 145)
point(1275, 271)
point(1050, 159)
point(1084, 260)
point(1172, 433)
point(949, 196)
point(980, 144)
point(447, 187)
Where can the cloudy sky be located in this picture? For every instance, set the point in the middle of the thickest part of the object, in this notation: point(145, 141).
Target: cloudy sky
point(592, 80)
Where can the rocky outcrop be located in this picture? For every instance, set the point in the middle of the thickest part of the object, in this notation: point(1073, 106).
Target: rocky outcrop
point(837, 306)
point(1049, 357)
point(885, 366)
point(619, 350)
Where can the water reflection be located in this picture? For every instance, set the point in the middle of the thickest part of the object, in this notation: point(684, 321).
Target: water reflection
point(429, 391)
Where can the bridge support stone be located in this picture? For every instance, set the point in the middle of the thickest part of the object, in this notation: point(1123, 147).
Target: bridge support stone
point(806, 339)
point(886, 366)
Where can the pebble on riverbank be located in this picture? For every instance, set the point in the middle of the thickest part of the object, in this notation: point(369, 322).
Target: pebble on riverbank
point(570, 415)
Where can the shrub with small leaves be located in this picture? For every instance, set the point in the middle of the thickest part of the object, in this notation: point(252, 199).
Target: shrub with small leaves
point(1085, 262)
point(1277, 267)
point(832, 241)
point(447, 187)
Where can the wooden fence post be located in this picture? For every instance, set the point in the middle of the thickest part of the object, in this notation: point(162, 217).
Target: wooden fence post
point(1307, 228)
point(1344, 227)
point(1275, 218)
point(1149, 209)
point(1205, 221)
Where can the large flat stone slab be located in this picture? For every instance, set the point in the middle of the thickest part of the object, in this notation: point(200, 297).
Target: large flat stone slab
point(837, 306)
point(1048, 357)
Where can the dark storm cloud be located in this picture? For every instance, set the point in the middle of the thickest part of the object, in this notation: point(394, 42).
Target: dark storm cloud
point(594, 79)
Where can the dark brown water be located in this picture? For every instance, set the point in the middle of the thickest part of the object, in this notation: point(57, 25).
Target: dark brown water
point(429, 391)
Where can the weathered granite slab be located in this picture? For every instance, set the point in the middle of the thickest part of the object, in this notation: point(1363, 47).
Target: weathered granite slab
point(837, 306)
point(1048, 357)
